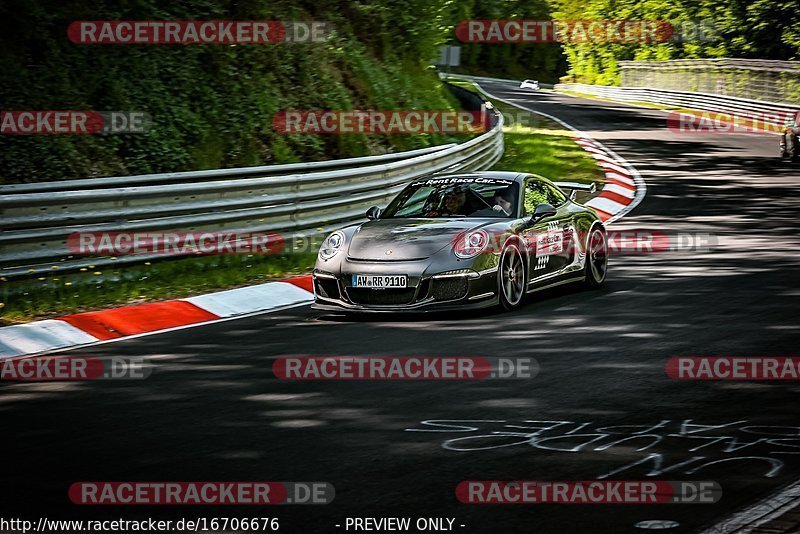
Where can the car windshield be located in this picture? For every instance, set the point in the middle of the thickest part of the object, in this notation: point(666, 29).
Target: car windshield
point(456, 197)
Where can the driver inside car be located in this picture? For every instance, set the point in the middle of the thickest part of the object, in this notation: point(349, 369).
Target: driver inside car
point(504, 201)
point(454, 203)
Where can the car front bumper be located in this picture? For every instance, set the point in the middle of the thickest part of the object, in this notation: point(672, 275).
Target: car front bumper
point(450, 290)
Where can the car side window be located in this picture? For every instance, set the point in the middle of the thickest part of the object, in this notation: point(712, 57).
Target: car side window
point(535, 193)
point(555, 197)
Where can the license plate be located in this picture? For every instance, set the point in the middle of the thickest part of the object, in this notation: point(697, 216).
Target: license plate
point(379, 281)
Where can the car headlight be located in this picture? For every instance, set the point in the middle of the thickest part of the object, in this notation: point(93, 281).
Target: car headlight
point(471, 244)
point(331, 246)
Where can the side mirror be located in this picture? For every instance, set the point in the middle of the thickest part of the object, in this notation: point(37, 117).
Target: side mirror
point(543, 210)
point(373, 213)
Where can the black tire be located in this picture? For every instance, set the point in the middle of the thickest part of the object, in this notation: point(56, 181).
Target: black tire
point(596, 258)
point(792, 147)
point(511, 278)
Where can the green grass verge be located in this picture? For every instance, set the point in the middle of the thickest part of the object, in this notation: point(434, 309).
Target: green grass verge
point(551, 155)
point(93, 289)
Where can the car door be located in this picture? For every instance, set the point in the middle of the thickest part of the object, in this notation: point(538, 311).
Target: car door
point(567, 249)
point(544, 238)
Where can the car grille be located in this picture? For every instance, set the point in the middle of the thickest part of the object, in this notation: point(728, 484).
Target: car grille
point(328, 288)
point(378, 297)
point(450, 288)
point(424, 287)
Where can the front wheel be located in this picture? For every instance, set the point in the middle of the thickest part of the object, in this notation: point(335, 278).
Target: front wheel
point(596, 259)
point(511, 278)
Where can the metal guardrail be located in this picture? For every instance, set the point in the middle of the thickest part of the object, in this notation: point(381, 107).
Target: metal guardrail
point(302, 199)
point(767, 112)
point(758, 79)
point(771, 65)
point(212, 174)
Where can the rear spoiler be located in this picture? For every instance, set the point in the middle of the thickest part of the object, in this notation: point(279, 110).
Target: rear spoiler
point(574, 187)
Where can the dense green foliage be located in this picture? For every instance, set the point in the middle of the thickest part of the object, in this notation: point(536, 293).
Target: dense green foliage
point(542, 61)
point(760, 29)
point(212, 105)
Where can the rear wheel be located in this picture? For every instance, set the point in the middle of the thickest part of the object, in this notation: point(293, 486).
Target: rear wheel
point(792, 147)
point(511, 278)
point(596, 258)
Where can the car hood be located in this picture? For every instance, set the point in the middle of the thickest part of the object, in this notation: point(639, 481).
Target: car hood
point(406, 239)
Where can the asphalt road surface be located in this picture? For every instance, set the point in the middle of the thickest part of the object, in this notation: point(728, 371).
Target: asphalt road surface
point(212, 409)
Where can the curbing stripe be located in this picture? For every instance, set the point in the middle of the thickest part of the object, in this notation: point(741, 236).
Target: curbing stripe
point(616, 197)
point(617, 183)
point(303, 282)
point(611, 167)
point(621, 183)
point(583, 140)
point(602, 214)
point(131, 320)
point(588, 146)
point(605, 204)
point(108, 326)
point(592, 150)
point(251, 299)
point(40, 336)
point(621, 177)
point(600, 156)
point(626, 192)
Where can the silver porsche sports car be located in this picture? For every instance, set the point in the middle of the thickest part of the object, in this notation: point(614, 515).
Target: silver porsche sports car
point(463, 241)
